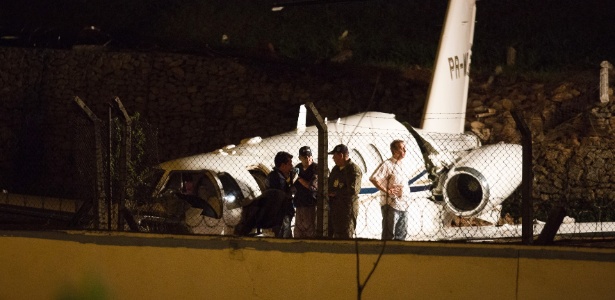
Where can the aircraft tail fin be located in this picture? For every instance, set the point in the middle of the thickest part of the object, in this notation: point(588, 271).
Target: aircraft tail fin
point(301, 120)
point(448, 94)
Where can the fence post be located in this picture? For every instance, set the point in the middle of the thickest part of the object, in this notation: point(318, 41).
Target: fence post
point(605, 66)
point(125, 157)
point(323, 173)
point(100, 204)
point(111, 208)
point(527, 203)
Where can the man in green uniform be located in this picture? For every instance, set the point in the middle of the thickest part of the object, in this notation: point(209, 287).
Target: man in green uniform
point(344, 189)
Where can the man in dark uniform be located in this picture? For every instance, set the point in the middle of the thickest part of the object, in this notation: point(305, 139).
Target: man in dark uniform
point(344, 189)
point(305, 198)
point(274, 207)
point(281, 179)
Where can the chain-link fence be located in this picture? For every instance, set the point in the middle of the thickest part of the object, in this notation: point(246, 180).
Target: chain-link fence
point(457, 188)
point(456, 185)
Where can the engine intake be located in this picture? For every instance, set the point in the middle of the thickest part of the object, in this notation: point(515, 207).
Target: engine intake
point(467, 192)
point(483, 179)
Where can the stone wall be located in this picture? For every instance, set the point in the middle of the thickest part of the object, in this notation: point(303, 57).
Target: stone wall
point(198, 102)
point(572, 137)
point(577, 164)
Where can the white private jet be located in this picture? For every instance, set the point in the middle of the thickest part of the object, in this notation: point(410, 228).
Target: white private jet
point(470, 179)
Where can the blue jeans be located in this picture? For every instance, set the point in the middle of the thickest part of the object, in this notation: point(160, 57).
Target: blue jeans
point(394, 223)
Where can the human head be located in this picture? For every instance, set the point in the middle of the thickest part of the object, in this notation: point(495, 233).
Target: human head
point(340, 154)
point(305, 156)
point(283, 162)
point(282, 158)
point(341, 148)
point(305, 151)
point(398, 149)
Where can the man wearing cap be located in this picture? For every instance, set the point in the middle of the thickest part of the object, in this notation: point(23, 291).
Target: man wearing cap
point(344, 189)
point(305, 198)
point(391, 178)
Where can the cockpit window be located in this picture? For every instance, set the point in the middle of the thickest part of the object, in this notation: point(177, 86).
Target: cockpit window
point(145, 189)
point(174, 183)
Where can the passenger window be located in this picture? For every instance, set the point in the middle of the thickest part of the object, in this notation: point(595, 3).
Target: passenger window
point(261, 179)
point(374, 157)
point(232, 192)
point(358, 158)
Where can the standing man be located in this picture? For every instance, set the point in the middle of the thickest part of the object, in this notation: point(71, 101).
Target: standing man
point(344, 189)
point(391, 178)
point(281, 179)
point(305, 198)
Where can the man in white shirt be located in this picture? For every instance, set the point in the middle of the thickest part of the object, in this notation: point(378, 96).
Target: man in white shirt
point(391, 178)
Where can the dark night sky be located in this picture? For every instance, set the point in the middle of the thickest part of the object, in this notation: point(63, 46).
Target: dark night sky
point(548, 31)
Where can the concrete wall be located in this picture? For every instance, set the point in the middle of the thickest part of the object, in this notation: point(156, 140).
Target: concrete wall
point(48, 265)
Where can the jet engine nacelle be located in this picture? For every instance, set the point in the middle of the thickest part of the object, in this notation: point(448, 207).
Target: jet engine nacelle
point(483, 179)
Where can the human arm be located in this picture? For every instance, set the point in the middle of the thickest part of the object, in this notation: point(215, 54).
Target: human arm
point(350, 181)
point(379, 186)
point(308, 178)
point(357, 175)
point(311, 185)
point(382, 179)
point(333, 181)
point(345, 183)
point(304, 182)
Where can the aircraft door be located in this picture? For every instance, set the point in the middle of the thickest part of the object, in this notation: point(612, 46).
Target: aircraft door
point(209, 190)
point(201, 189)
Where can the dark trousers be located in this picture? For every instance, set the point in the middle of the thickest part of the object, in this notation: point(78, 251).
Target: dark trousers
point(284, 230)
point(342, 217)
